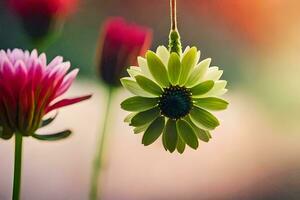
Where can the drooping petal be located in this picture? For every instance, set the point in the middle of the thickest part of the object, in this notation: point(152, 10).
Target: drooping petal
point(140, 129)
point(6, 133)
point(129, 117)
point(49, 120)
point(144, 117)
point(203, 118)
point(67, 102)
point(53, 137)
point(153, 131)
point(187, 133)
point(211, 103)
point(138, 104)
point(170, 135)
point(201, 134)
point(180, 145)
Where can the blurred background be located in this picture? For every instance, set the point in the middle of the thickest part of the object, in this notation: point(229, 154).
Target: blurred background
point(254, 154)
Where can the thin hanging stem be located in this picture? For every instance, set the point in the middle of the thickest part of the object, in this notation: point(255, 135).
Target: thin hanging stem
point(17, 166)
point(173, 15)
point(174, 37)
point(99, 156)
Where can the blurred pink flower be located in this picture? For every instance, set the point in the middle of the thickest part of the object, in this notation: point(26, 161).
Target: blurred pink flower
point(30, 88)
point(120, 45)
point(55, 8)
point(39, 16)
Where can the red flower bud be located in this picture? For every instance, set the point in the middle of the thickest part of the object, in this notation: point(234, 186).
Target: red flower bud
point(40, 16)
point(120, 45)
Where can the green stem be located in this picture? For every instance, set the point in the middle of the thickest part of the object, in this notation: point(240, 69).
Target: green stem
point(17, 167)
point(99, 156)
point(174, 37)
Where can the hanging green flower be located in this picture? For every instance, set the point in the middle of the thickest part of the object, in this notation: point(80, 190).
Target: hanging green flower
point(174, 94)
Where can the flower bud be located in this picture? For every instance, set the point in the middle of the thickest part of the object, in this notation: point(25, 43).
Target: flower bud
point(120, 44)
point(40, 17)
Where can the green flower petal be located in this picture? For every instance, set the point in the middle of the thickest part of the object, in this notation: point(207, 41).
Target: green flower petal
point(140, 129)
point(6, 133)
point(148, 85)
point(144, 67)
point(129, 117)
point(139, 103)
point(170, 136)
point(198, 72)
point(217, 90)
point(133, 72)
point(201, 134)
point(153, 131)
point(211, 103)
point(186, 50)
point(187, 133)
point(198, 56)
point(214, 74)
point(180, 145)
point(134, 88)
point(187, 64)
point(203, 118)
point(174, 67)
point(157, 69)
point(53, 137)
point(163, 53)
point(202, 88)
point(208, 134)
point(145, 117)
point(164, 140)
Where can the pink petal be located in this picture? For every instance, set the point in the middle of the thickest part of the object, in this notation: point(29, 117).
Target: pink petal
point(21, 70)
point(67, 102)
point(60, 70)
point(67, 82)
point(34, 55)
point(57, 60)
point(43, 59)
point(7, 70)
point(20, 76)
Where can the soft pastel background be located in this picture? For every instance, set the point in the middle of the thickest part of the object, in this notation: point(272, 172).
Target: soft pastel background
point(254, 154)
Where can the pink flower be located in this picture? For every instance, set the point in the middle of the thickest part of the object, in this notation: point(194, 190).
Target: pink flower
point(120, 45)
point(55, 8)
point(29, 89)
point(40, 16)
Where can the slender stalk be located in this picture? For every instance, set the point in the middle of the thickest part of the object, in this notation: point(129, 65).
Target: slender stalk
point(174, 37)
point(173, 15)
point(99, 156)
point(17, 166)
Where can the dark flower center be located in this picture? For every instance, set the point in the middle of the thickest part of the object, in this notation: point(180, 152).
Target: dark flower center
point(175, 102)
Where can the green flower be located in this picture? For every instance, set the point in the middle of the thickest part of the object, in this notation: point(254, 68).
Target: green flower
point(173, 95)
